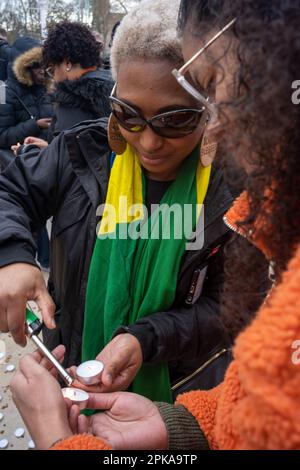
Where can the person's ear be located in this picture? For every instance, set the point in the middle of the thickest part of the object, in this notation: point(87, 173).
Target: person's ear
point(68, 66)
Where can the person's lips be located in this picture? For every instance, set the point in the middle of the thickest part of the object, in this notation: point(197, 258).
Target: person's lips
point(153, 159)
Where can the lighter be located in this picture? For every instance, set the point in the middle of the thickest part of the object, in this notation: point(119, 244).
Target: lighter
point(33, 328)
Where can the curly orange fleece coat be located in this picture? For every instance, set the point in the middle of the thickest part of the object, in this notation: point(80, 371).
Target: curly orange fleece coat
point(258, 404)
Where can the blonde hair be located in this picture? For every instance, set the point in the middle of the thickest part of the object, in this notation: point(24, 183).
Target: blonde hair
point(148, 32)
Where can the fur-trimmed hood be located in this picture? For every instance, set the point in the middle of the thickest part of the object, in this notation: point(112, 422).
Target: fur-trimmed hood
point(24, 62)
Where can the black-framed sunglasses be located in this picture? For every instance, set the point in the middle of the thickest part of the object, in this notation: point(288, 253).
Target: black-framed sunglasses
point(171, 125)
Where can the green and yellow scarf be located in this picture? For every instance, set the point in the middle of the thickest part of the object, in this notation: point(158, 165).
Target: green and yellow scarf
point(134, 276)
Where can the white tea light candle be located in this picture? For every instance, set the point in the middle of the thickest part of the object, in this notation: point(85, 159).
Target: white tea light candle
point(31, 444)
point(77, 396)
point(3, 443)
point(19, 432)
point(89, 372)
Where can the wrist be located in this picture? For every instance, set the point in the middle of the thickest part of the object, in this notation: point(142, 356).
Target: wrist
point(135, 344)
point(63, 436)
point(145, 336)
point(51, 431)
point(60, 435)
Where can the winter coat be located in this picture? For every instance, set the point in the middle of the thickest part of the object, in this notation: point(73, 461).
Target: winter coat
point(81, 100)
point(25, 102)
point(68, 181)
point(4, 58)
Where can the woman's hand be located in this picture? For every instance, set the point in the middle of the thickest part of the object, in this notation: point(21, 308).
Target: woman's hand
point(41, 143)
point(20, 282)
point(128, 421)
point(44, 123)
point(15, 148)
point(39, 400)
point(122, 358)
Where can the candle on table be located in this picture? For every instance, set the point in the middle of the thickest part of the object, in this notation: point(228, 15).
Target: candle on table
point(3, 443)
point(19, 432)
point(31, 444)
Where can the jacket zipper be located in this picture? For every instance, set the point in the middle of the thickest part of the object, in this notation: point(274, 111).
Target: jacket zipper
point(201, 368)
point(234, 229)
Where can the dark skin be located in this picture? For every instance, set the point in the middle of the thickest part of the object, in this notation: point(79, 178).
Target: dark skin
point(123, 414)
point(129, 421)
point(149, 86)
point(38, 77)
point(214, 72)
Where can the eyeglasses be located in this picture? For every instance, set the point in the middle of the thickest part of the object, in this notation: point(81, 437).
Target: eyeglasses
point(171, 125)
point(36, 66)
point(50, 71)
point(179, 74)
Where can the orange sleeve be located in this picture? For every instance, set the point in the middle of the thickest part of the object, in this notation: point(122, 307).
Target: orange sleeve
point(257, 406)
point(203, 405)
point(81, 442)
point(208, 407)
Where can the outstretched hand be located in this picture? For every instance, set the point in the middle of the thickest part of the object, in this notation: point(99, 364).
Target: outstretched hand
point(128, 421)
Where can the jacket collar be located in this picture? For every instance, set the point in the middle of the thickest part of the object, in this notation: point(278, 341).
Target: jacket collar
point(89, 154)
point(239, 212)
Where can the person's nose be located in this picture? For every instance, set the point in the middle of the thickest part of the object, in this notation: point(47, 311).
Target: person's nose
point(150, 141)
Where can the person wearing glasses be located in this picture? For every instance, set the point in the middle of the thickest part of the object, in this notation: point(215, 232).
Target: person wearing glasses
point(71, 57)
point(148, 321)
point(157, 330)
point(256, 405)
point(152, 315)
point(27, 109)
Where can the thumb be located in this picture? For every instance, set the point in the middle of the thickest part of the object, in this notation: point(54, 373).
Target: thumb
point(47, 307)
point(113, 367)
point(102, 401)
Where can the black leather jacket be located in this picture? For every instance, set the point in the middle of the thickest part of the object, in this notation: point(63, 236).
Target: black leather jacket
point(68, 181)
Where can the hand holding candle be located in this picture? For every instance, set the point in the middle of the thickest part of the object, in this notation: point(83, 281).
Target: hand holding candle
point(122, 358)
point(117, 365)
point(39, 400)
point(89, 372)
point(76, 396)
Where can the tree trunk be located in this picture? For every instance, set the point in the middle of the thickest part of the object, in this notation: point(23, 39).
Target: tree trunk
point(100, 14)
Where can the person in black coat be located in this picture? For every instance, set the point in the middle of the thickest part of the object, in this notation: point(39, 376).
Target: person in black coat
point(4, 54)
point(71, 56)
point(27, 110)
